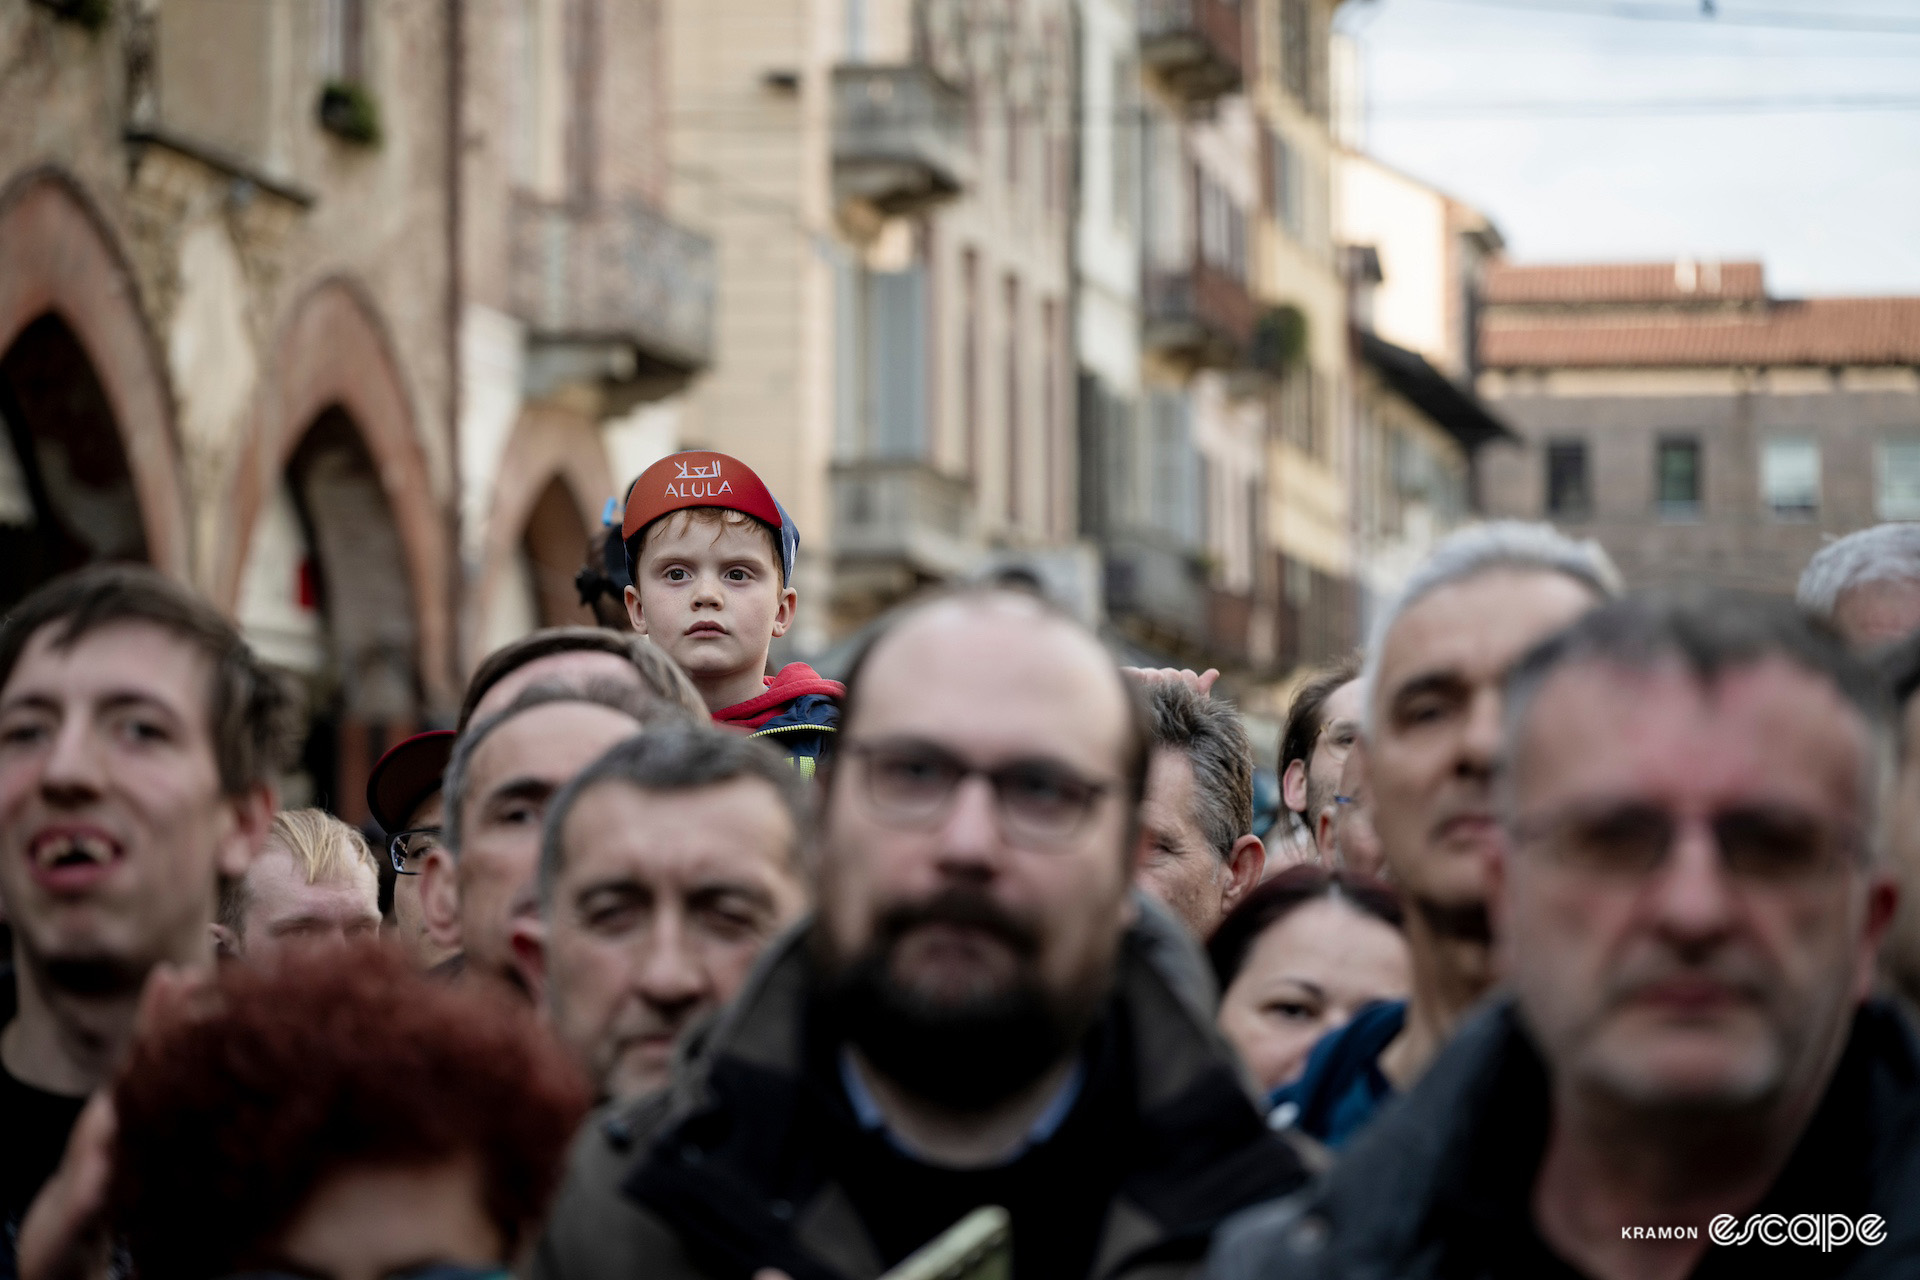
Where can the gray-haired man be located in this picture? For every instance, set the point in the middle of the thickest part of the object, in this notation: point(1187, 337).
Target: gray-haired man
point(1867, 584)
point(505, 768)
point(666, 867)
point(1688, 900)
point(1429, 735)
point(1202, 856)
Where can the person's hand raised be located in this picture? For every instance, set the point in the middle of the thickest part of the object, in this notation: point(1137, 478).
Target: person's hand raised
point(1201, 683)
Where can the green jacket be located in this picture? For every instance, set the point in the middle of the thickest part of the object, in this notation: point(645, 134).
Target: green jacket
point(732, 1207)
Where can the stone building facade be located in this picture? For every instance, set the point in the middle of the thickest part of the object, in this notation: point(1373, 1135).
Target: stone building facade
point(1701, 429)
point(276, 287)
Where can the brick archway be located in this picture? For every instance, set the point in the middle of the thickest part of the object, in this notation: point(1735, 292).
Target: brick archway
point(333, 353)
point(58, 254)
point(547, 445)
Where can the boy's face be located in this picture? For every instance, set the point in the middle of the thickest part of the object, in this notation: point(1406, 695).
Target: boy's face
point(710, 595)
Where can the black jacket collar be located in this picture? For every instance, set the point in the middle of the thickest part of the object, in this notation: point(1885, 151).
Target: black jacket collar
point(744, 1190)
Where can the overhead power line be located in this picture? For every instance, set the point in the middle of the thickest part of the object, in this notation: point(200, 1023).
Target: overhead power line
point(1602, 108)
point(1783, 19)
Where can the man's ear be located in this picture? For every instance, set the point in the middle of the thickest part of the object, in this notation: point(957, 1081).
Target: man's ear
point(783, 616)
point(1323, 835)
point(527, 952)
point(1293, 787)
point(634, 615)
point(1246, 864)
point(251, 813)
point(440, 898)
point(1498, 863)
point(1883, 904)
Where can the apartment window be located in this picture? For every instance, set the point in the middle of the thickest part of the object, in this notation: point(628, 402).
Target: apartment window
point(1898, 480)
point(1569, 494)
point(970, 358)
point(1012, 288)
point(343, 40)
point(1223, 228)
point(1050, 411)
point(1677, 476)
point(1283, 168)
point(1790, 477)
point(1296, 51)
point(1126, 139)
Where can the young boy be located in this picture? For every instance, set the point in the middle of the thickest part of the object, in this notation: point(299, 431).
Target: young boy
point(710, 555)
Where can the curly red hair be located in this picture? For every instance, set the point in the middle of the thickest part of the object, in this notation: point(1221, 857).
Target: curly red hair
point(234, 1105)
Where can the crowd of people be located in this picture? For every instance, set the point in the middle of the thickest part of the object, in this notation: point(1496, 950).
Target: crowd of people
point(1579, 948)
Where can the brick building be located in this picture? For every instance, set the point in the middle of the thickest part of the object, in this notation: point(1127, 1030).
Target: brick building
point(1701, 429)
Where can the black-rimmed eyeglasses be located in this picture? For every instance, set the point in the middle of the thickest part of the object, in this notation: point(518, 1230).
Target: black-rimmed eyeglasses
point(912, 784)
point(411, 845)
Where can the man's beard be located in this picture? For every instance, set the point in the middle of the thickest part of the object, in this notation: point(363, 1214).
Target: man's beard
point(96, 976)
point(965, 1054)
point(1456, 921)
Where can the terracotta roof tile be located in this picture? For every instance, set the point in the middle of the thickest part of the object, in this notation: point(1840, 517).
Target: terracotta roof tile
point(1818, 331)
point(1685, 280)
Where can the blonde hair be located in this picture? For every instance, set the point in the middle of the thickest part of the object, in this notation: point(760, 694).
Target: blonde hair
point(322, 846)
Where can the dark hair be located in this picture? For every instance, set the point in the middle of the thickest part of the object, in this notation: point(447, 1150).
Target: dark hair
point(657, 671)
point(236, 1103)
point(1278, 897)
point(1710, 631)
point(678, 758)
point(600, 693)
point(253, 713)
point(1208, 732)
point(1307, 713)
point(1134, 751)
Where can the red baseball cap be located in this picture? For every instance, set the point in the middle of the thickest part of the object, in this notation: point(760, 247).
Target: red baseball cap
point(703, 478)
point(407, 775)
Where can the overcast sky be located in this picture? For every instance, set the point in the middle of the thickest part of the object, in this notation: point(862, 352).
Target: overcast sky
point(1507, 104)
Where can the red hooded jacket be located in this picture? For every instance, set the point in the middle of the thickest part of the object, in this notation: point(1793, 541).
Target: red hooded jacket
point(796, 680)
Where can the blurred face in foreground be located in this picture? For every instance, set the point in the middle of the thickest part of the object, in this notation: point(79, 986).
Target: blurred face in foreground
point(114, 829)
point(283, 909)
point(1687, 914)
point(1303, 977)
point(1429, 752)
point(514, 773)
point(972, 924)
point(1878, 613)
point(378, 1222)
point(663, 901)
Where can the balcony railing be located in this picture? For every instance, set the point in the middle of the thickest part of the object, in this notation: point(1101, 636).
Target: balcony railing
point(1158, 586)
point(899, 137)
point(905, 513)
point(614, 273)
point(1200, 316)
point(1194, 45)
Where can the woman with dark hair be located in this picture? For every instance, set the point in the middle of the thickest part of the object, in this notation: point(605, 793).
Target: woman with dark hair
point(1298, 957)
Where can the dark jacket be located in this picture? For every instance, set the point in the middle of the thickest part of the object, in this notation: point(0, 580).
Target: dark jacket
point(706, 1182)
point(1440, 1184)
point(1342, 1087)
point(799, 713)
